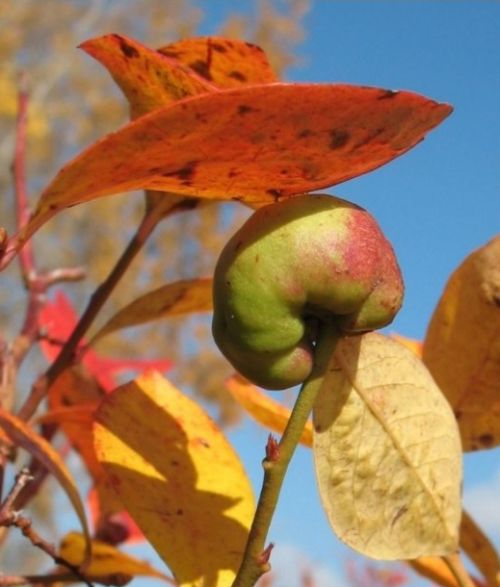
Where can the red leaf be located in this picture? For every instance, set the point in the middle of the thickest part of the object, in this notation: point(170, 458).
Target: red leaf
point(58, 318)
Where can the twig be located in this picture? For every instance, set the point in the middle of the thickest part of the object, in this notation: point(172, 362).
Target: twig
point(12, 518)
point(117, 579)
point(256, 557)
point(454, 563)
point(96, 302)
point(152, 217)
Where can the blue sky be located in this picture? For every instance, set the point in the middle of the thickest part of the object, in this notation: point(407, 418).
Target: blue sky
point(436, 203)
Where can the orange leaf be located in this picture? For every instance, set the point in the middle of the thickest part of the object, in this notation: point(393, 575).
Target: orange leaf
point(262, 408)
point(174, 299)
point(178, 477)
point(226, 63)
point(22, 435)
point(462, 346)
point(106, 560)
point(255, 144)
point(147, 78)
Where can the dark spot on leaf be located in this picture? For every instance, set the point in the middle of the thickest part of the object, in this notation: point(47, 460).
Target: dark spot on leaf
point(244, 109)
point(257, 258)
point(274, 193)
point(387, 95)
point(179, 512)
point(338, 138)
point(127, 49)
point(201, 67)
point(458, 414)
point(169, 53)
point(185, 173)
point(238, 245)
point(487, 440)
point(303, 134)
point(233, 173)
point(174, 463)
point(237, 75)
point(218, 47)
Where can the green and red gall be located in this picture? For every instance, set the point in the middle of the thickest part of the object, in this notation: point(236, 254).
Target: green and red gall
point(303, 261)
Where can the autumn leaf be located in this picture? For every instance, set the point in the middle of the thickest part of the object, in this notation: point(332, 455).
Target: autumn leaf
point(387, 452)
point(23, 436)
point(226, 63)
point(262, 408)
point(178, 477)
point(462, 346)
point(73, 400)
point(58, 319)
point(106, 560)
point(174, 299)
point(148, 78)
point(254, 144)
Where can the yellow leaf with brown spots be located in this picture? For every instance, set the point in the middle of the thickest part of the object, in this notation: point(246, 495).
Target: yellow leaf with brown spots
point(106, 560)
point(462, 346)
point(387, 452)
point(178, 477)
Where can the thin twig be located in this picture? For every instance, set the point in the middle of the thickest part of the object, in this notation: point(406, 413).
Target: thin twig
point(21, 480)
point(117, 579)
point(256, 557)
point(96, 302)
point(9, 517)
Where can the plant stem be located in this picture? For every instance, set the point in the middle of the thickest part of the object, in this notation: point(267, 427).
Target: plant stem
point(256, 557)
point(96, 302)
point(454, 563)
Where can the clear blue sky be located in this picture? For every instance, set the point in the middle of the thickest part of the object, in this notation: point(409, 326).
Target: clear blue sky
point(436, 203)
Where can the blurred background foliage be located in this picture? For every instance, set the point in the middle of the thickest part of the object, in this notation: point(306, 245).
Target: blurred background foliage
point(73, 101)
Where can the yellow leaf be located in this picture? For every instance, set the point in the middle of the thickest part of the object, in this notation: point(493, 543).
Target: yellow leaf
point(106, 559)
point(262, 408)
point(174, 299)
point(21, 434)
point(462, 346)
point(178, 477)
point(479, 549)
point(387, 452)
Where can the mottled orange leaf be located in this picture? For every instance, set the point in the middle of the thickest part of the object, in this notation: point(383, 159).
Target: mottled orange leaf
point(106, 560)
point(147, 78)
point(480, 550)
point(23, 436)
point(462, 346)
point(262, 408)
point(178, 477)
point(226, 63)
point(415, 346)
point(254, 144)
point(174, 299)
